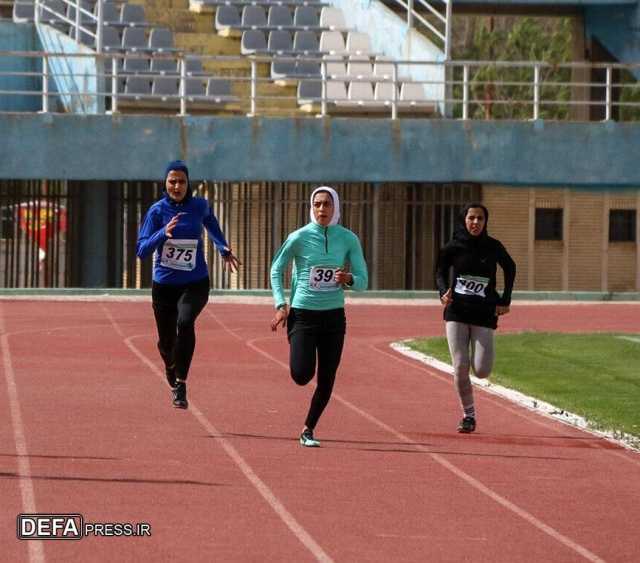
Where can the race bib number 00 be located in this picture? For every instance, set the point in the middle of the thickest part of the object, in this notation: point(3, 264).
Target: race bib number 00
point(179, 254)
point(323, 278)
point(471, 285)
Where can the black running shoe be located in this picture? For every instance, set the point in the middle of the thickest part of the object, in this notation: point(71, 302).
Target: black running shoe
point(170, 372)
point(467, 425)
point(180, 395)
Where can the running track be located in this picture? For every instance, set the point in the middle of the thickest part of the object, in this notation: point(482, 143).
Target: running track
point(86, 427)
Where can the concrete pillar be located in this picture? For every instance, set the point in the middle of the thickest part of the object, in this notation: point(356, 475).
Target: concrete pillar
point(94, 235)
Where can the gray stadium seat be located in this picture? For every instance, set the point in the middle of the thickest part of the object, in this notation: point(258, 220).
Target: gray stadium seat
point(309, 92)
point(279, 16)
point(134, 39)
point(253, 41)
point(194, 66)
point(254, 16)
point(280, 41)
point(23, 12)
point(110, 13)
point(132, 15)
point(306, 16)
point(111, 39)
point(307, 69)
point(161, 39)
point(194, 87)
point(133, 65)
point(59, 7)
point(164, 66)
point(227, 17)
point(137, 86)
point(165, 86)
point(305, 43)
point(219, 89)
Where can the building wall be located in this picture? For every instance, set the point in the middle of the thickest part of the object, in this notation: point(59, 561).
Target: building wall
point(584, 260)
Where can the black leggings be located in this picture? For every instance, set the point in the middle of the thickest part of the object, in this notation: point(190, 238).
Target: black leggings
point(176, 308)
point(310, 333)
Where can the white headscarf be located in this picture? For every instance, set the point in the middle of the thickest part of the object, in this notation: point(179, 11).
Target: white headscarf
point(336, 204)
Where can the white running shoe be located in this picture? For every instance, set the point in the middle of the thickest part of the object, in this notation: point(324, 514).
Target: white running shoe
point(307, 440)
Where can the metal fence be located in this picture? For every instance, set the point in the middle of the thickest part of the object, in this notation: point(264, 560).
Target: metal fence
point(401, 227)
point(458, 89)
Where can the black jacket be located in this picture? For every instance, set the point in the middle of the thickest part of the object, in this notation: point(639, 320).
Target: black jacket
point(467, 265)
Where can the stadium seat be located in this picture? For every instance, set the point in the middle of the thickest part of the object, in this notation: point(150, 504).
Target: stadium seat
point(137, 86)
point(358, 43)
point(279, 16)
point(227, 18)
point(134, 39)
point(306, 16)
point(332, 42)
point(165, 87)
point(161, 40)
point(111, 41)
point(305, 43)
point(133, 15)
point(23, 12)
point(359, 67)
point(253, 17)
point(332, 18)
point(253, 41)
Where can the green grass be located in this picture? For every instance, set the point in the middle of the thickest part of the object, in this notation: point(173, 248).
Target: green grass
point(596, 376)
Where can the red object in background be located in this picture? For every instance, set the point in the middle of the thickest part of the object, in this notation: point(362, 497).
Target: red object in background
point(41, 220)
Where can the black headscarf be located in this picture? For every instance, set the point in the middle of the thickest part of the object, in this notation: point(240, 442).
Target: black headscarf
point(462, 236)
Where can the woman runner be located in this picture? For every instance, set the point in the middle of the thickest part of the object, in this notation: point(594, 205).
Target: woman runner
point(172, 230)
point(466, 281)
point(316, 321)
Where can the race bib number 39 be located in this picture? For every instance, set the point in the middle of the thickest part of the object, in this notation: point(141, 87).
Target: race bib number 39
point(323, 278)
point(179, 254)
point(471, 285)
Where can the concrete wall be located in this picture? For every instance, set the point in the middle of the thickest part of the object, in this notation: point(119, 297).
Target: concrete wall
point(102, 147)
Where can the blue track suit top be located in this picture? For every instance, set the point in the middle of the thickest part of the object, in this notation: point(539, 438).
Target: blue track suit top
point(174, 261)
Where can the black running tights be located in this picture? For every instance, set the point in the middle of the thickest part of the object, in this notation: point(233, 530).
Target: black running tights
point(316, 335)
point(176, 308)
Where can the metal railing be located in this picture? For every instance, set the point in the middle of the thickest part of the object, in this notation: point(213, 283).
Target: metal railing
point(76, 25)
point(471, 90)
point(439, 27)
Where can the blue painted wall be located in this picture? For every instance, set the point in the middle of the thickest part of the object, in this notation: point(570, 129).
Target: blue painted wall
point(339, 149)
point(19, 38)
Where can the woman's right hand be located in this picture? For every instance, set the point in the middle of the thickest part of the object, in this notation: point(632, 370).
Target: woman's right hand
point(280, 317)
point(446, 298)
point(168, 230)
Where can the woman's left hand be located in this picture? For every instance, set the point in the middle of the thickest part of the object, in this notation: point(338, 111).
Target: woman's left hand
point(502, 310)
point(231, 262)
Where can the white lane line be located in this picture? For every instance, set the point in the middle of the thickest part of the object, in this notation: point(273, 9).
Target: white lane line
point(629, 338)
point(267, 494)
point(441, 374)
point(36, 547)
point(527, 516)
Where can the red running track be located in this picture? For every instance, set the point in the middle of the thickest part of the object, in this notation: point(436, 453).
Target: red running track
point(87, 427)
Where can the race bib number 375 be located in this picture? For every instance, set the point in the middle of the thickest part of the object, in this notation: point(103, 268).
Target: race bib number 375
point(323, 278)
point(471, 285)
point(179, 254)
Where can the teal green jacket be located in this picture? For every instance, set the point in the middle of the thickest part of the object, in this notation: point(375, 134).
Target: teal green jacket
point(316, 252)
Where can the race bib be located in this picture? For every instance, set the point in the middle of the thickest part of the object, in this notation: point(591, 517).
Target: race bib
point(471, 285)
point(323, 278)
point(179, 254)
